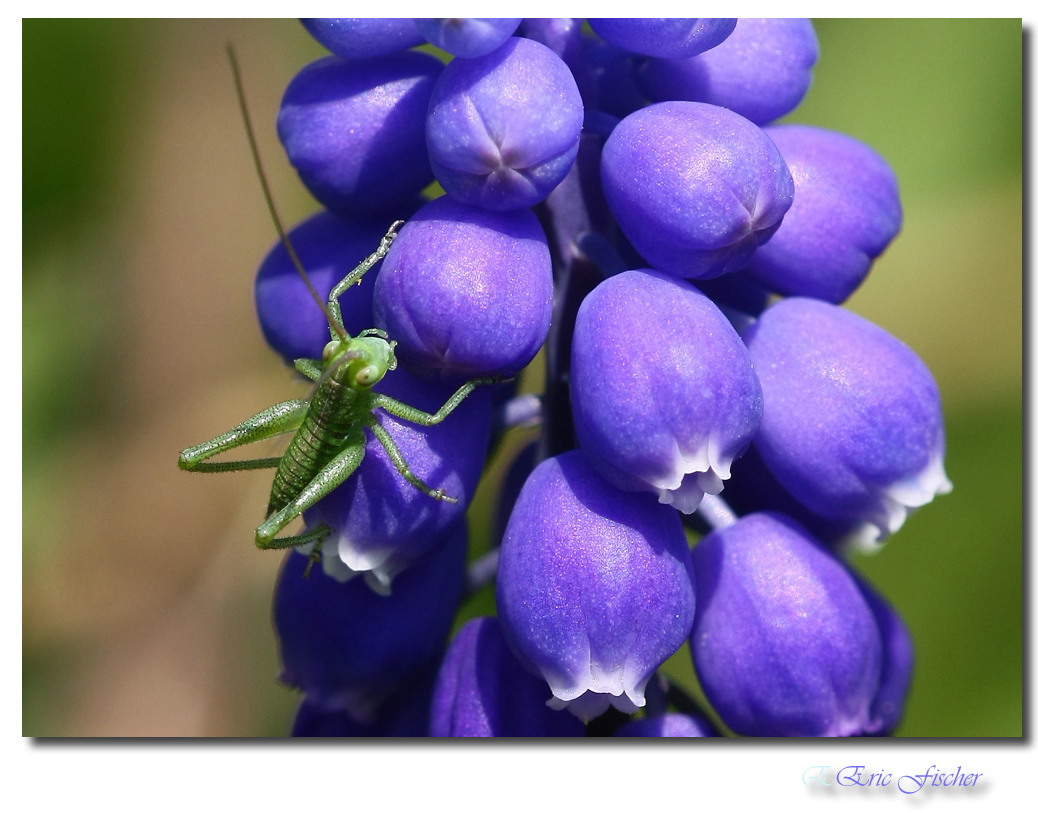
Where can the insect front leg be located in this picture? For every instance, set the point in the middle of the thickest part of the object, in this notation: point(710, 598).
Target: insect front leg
point(325, 481)
point(357, 273)
point(276, 420)
point(413, 415)
point(383, 437)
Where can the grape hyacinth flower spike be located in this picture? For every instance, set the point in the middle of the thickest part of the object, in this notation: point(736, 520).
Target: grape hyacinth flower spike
point(664, 392)
point(594, 586)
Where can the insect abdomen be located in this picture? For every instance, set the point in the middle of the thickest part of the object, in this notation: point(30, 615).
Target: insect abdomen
point(328, 423)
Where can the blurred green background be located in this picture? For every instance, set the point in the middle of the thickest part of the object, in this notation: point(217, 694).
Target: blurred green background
point(145, 605)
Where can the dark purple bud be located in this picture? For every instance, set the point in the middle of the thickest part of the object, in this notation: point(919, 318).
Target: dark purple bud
point(360, 38)
point(329, 247)
point(503, 128)
point(671, 38)
point(667, 725)
point(466, 292)
point(696, 188)
point(898, 661)
point(762, 71)
point(844, 215)
point(664, 393)
point(467, 37)
point(852, 424)
point(355, 130)
point(783, 643)
point(380, 522)
point(594, 586)
point(483, 691)
point(611, 71)
point(349, 648)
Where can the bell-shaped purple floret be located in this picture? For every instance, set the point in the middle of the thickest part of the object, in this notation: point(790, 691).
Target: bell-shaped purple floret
point(503, 128)
point(898, 661)
point(466, 292)
point(380, 522)
point(349, 648)
point(467, 37)
point(483, 691)
point(667, 725)
point(613, 88)
point(355, 130)
point(696, 188)
point(670, 38)
point(329, 247)
point(363, 37)
point(595, 586)
point(845, 213)
point(762, 71)
point(852, 424)
point(783, 643)
point(664, 393)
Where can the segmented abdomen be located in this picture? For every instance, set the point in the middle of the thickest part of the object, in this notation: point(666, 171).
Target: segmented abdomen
point(330, 419)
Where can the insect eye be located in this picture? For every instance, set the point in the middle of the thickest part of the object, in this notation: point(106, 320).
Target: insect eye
point(330, 350)
point(369, 375)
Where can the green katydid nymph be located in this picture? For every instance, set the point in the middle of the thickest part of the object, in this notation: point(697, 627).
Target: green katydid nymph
point(329, 440)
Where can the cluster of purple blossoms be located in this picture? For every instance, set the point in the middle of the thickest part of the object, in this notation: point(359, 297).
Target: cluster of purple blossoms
point(616, 193)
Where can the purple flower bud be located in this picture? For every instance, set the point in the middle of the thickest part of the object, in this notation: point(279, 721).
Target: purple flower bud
point(503, 128)
point(672, 38)
point(762, 71)
point(844, 215)
point(898, 661)
point(329, 248)
point(355, 130)
point(349, 648)
point(696, 188)
point(783, 643)
point(380, 522)
point(664, 393)
point(852, 424)
point(483, 691)
point(594, 586)
point(467, 37)
point(360, 38)
point(466, 292)
point(611, 71)
point(667, 725)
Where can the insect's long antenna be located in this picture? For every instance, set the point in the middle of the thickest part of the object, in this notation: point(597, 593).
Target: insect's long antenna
point(239, 88)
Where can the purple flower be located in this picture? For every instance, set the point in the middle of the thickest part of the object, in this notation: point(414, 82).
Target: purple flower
point(503, 128)
point(594, 586)
point(672, 37)
point(664, 393)
point(696, 188)
point(783, 643)
point(348, 648)
point(355, 130)
point(898, 660)
point(360, 38)
point(667, 725)
point(844, 215)
point(467, 37)
point(483, 691)
point(466, 292)
point(852, 424)
point(762, 71)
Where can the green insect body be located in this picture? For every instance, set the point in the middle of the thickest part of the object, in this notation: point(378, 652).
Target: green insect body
point(329, 440)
